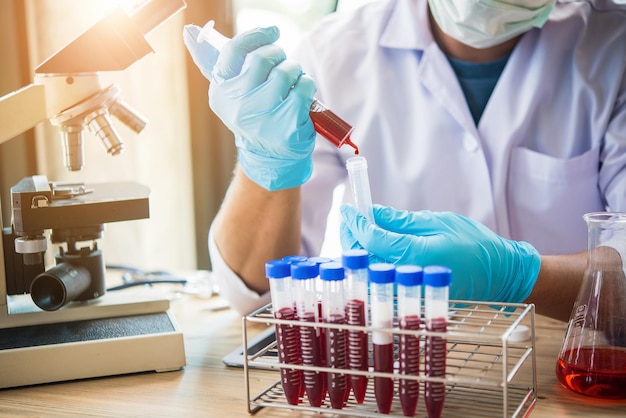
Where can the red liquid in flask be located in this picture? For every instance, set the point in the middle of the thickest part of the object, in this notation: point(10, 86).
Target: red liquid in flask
point(383, 386)
point(435, 366)
point(310, 346)
point(599, 372)
point(288, 345)
point(409, 352)
point(331, 126)
point(357, 348)
point(336, 358)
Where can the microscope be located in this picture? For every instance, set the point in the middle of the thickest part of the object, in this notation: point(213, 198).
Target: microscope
point(58, 323)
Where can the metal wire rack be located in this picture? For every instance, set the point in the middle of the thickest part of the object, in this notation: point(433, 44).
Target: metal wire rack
point(488, 373)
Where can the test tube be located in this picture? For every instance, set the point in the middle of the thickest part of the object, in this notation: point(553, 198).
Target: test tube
point(360, 186)
point(355, 263)
point(303, 276)
point(333, 275)
point(278, 273)
point(437, 281)
point(409, 281)
point(322, 331)
point(291, 259)
point(382, 277)
point(325, 122)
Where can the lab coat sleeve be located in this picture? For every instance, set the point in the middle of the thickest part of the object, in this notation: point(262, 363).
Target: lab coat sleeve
point(231, 287)
point(612, 179)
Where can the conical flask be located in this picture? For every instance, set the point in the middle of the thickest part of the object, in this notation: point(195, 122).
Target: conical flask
point(592, 360)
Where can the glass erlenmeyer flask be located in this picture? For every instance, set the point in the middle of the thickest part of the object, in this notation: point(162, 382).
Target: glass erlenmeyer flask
point(592, 360)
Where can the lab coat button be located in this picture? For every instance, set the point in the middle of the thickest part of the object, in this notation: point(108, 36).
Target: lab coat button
point(469, 143)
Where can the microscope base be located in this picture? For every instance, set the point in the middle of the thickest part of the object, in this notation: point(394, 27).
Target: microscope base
point(100, 347)
point(83, 347)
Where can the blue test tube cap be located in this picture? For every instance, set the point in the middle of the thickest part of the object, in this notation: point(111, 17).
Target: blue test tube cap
point(355, 259)
point(382, 273)
point(332, 271)
point(320, 260)
point(304, 270)
point(437, 276)
point(277, 269)
point(294, 258)
point(409, 275)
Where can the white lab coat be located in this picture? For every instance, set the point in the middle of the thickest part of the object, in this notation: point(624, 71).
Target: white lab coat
point(549, 147)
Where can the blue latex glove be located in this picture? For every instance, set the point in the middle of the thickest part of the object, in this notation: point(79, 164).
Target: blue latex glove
point(264, 99)
point(485, 266)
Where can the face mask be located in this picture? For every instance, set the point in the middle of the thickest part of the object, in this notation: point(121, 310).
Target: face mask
point(485, 23)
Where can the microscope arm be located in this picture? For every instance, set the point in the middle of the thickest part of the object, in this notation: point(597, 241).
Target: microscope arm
point(24, 108)
point(21, 110)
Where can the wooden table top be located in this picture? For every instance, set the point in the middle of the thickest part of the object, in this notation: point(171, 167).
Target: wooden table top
point(208, 388)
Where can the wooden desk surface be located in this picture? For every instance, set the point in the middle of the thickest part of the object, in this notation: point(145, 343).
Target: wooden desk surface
point(207, 388)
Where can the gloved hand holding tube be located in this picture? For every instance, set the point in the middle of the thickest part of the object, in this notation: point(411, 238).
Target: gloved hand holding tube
point(486, 266)
point(264, 99)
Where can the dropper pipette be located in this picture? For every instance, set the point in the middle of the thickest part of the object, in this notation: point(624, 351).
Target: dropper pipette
point(325, 122)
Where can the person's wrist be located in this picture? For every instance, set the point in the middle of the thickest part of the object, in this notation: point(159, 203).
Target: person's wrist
point(273, 173)
point(527, 270)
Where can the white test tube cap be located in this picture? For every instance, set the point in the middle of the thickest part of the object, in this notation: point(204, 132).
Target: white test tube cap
point(209, 34)
point(520, 333)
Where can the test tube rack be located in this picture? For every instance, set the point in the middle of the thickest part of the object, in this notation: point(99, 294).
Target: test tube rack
point(488, 373)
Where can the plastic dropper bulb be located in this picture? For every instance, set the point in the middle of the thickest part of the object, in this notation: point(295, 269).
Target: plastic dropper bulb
point(325, 122)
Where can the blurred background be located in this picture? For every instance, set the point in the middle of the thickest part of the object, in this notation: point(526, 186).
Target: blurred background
point(184, 155)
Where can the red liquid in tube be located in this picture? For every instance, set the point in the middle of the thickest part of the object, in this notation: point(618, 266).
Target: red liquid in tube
point(330, 126)
point(409, 352)
point(287, 338)
point(336, 358)
point(313, 381)
point(383, 386)
point(322, 348)
point(357, 348)
point(435, 366)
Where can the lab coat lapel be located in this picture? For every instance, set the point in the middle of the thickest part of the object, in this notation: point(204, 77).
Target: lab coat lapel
point(408, 28)
point(437, 75)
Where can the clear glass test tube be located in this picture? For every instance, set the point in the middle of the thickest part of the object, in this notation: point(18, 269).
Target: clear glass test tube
point(437, 281)
point(381, 278)
point(333, 275)
point(355, 263)
point(360, 186)
point(325, 122)
point(303, 275)
point(278, 273)
point(409, 285)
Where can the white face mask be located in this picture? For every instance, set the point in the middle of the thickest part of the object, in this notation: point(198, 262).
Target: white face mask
point(485, 23)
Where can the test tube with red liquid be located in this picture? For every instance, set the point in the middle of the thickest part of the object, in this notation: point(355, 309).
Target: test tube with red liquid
point(437, 281)
point(355, 263)
point(322, 331)
point(333, 275)
point(409, 282)
point(291, 259)
point(303, 275)
point(325, 122)
point(278, 273)
point(381, 278)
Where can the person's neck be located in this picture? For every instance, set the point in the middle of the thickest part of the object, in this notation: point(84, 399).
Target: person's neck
point(458, 50)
